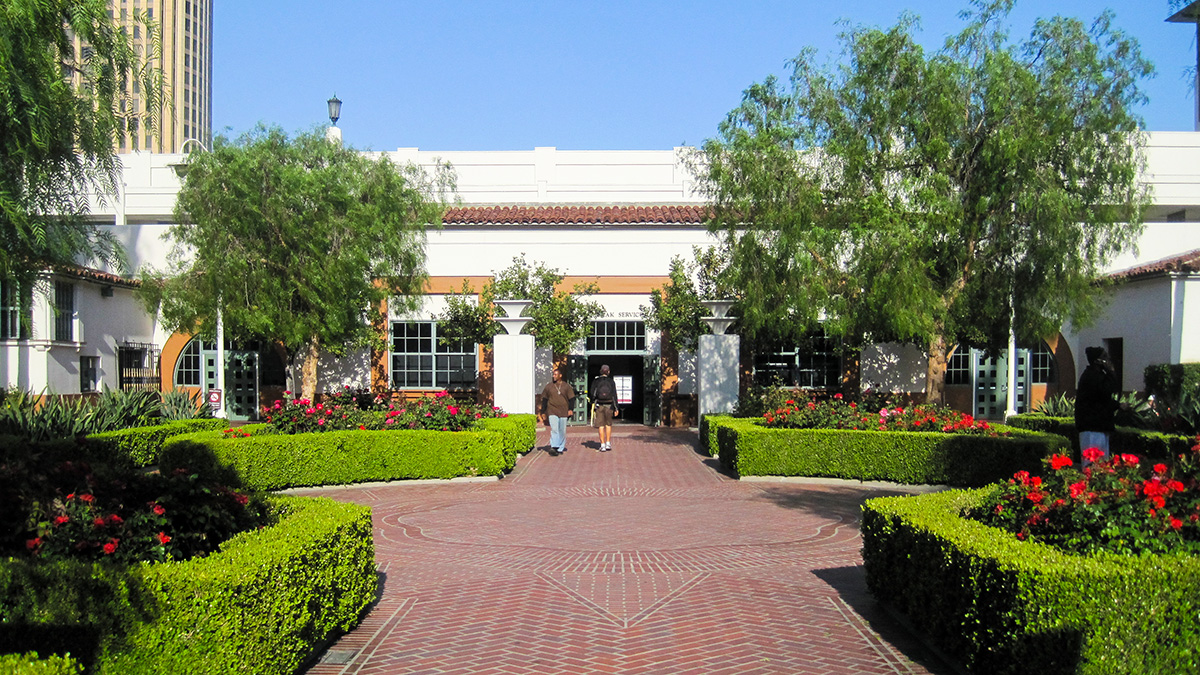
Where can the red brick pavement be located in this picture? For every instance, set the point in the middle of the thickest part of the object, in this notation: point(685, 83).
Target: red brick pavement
point(640, 560)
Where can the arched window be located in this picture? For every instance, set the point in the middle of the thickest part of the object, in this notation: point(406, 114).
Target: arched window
point(1041, 364)
point(187, 368)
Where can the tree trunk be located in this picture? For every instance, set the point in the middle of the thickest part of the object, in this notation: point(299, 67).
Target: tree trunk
point(308, 373)
point(935, 372)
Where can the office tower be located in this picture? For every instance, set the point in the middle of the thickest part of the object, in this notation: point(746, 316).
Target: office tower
point(185, 27)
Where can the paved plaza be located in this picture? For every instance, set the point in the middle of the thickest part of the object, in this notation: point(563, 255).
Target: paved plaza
point(645, 559)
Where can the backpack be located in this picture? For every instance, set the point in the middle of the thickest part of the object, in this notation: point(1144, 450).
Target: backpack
point(604, 390)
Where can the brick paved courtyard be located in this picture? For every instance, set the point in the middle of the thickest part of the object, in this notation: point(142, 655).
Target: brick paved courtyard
point(641, 560)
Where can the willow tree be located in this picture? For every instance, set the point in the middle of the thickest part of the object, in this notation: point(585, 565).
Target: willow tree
point(297, 241)
point(61, 113)
point(935, 198)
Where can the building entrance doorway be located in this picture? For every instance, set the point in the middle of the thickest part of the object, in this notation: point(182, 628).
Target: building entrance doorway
point(629, 378)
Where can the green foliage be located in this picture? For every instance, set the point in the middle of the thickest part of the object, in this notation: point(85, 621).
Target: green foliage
point(838, 413)
point(141, 445)
point(675, 309)
point(998, 605)
point(751, 449)
point(1056, 406)
point(296, 240)
point(261, 604)
point(1175, 392)
point(44, 417)
point(178, 404)
point(1115, 505)
point(57, 136)
point(1063, 425)
point(31, 664)
point(64, 500)
point(985, 174)
point(560, 318)
point(273, 462)
point(466, 317)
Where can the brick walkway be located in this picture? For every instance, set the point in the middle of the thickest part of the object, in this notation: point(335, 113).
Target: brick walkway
point(640, 560)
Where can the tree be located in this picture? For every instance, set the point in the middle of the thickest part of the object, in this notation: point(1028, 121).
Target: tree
point(296, 240)
point(675, 309)
point(932, 198)
point(60, 116)
point(560, 318)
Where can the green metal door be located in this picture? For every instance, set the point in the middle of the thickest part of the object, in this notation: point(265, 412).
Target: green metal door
point(991, 383)
point(576, 376)
point(241, 380)
point(651, 390)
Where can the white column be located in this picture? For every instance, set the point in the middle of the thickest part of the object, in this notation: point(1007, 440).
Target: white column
point(718, 371)
point(221, 413)
point(513, 373)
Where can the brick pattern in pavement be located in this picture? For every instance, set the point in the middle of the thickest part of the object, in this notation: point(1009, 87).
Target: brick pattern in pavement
point(645, 559)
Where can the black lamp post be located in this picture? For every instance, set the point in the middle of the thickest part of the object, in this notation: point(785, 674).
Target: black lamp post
point(335, 109)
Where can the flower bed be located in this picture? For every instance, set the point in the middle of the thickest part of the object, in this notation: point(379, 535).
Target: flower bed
point(839, 413)
point(277, 461)
point(261, 604)
point(1116, 505)
point(999, 605)
point(347, 410)
point(752, 449)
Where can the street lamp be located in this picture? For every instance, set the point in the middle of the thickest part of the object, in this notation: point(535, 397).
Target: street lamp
point(334, 134)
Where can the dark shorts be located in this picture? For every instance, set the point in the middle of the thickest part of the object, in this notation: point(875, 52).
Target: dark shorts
point(603, 416)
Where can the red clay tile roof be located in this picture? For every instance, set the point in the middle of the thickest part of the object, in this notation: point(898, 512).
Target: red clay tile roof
point(683, 214)
point(90, 274)
point(1183, 263)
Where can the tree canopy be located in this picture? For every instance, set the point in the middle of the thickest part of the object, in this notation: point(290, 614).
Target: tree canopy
point(60, 116)
point(296, 240)
point(560, 318)
point(927, 197)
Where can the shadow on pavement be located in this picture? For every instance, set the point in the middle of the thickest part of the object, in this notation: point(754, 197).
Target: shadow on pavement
point(851, 586)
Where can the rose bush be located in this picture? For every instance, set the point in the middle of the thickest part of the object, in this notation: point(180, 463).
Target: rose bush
point(838, 413)
point(1117, 505)
point(348, 409)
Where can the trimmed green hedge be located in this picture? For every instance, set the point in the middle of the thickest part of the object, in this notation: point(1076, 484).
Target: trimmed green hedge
point(1169, 381)
point(274, 462)
point(143, 444)
point(1152, 445)
point(30, 664)
point(708, 431)
point(915, 457)
point(1000, 605)
point(261, 604)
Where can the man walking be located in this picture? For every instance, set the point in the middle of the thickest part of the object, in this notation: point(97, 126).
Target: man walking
point(556, 399)
point(604, 405)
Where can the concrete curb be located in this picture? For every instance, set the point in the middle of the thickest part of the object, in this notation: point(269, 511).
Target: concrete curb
point(845, 482)
point(392, 483)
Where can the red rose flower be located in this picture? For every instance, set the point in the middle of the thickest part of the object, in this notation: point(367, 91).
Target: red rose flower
point(1093, 454)
point(98, 522)
point(111, 547)
point(1176, 523)
point(1059, 461)
point(62, 520)
point(32, 544)
point(1160, 468)
point(163, 538)
point(158, 509)
point(87, 498)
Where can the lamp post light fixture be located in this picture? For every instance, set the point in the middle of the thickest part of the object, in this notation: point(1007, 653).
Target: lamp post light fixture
point(333, 134)
point(718, 322)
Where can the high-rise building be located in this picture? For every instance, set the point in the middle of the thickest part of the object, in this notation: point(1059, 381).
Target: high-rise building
point(185, 57)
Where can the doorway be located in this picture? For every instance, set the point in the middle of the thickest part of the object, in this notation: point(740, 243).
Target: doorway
point(628, 376)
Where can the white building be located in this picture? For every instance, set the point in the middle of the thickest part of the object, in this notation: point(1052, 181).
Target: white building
point(615, 218)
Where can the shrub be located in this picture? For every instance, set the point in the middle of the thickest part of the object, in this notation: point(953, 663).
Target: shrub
point(273, 462)
point(999, 605)
point(259, 605)
point(340, 411)
point(58, 502)
point(142, 444)
point(47, 416)
point(30, 664)
point(1056, 406)
point(751, 449)
point(1116, 505)
point(178, 404)
point(837, 413)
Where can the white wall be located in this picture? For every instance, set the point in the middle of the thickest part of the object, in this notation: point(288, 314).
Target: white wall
point(893, 367)
point(1141, 315)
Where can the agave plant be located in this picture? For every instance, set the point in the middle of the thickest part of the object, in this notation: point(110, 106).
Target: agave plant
point(177, 404)
point(1060, 405)
point(119, 409)
point(1136, 412)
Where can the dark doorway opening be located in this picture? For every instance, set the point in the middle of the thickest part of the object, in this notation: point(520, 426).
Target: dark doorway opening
point(627, 372)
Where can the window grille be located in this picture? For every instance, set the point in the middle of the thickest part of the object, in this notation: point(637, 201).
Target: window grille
point(137, 367)
point(1041, 365)
point(958, 366)
point(420, 360)
point(617, 336)
point(64, 311)
point(89, 374)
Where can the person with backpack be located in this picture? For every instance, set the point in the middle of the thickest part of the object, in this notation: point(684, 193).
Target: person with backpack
point(603, 393)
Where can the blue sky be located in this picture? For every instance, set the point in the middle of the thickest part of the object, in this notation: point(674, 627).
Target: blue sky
point(636, 75)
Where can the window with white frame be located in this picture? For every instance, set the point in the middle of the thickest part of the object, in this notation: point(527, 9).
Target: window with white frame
point(14, 311)
point(1041, 364)
point(421, 360)
point(64, 311)
point(187, 368)
point(617, 336)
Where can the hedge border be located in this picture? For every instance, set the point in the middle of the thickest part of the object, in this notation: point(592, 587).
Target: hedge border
point(1000, 605)
point(279, 461)
point(262, 604)
point(1149, 444)
point(142, 445)
point(910, 457)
